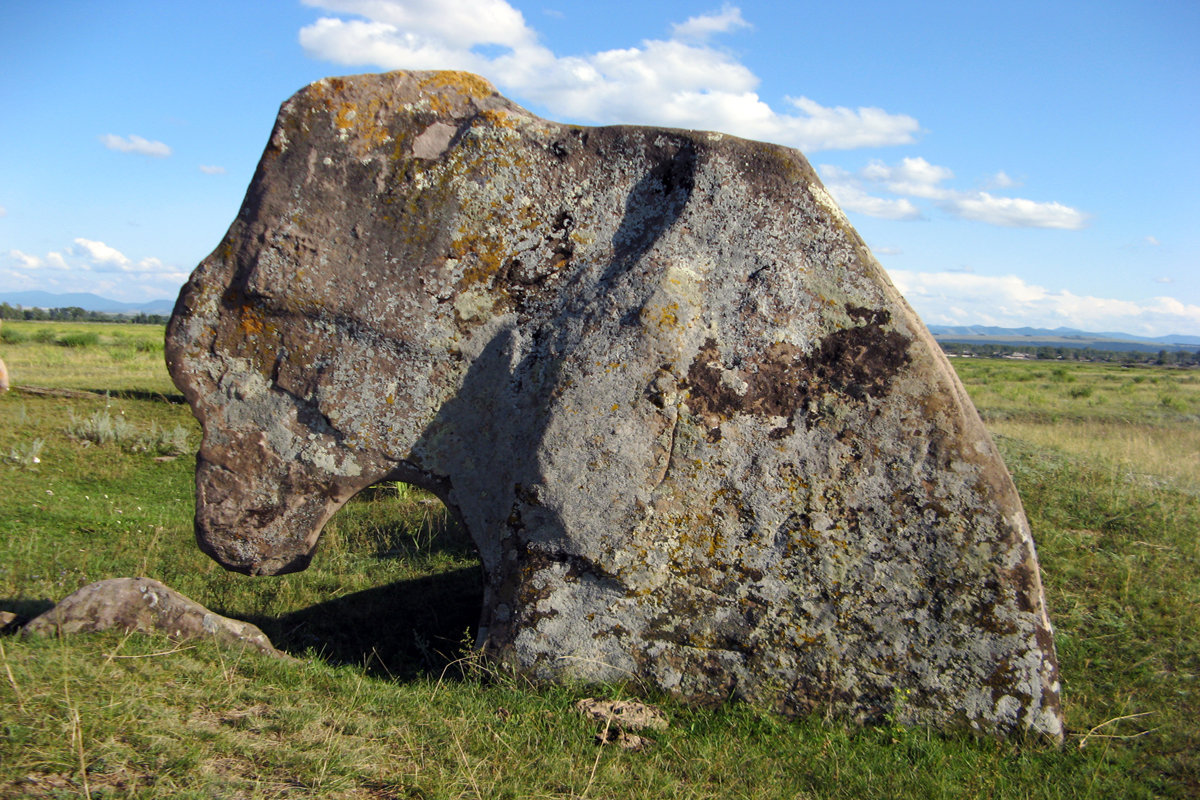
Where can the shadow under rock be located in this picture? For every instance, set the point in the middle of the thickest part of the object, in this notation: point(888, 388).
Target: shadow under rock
point(171, 398)
point(404, 630)
point(25, 609)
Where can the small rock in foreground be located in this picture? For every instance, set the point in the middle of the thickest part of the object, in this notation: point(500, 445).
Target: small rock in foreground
point(148, 606)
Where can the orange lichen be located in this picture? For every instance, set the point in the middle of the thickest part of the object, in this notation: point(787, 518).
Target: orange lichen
point(499, 118)
point(482, 255)
point(346, 116)
point(251, 320)
point(464, 83)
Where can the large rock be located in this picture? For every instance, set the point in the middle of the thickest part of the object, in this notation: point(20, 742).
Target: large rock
point(696, 434)
point(147, 606)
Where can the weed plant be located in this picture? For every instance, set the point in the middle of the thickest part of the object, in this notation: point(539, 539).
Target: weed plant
point(101, 427)
point(26, 454)
point(387, 698)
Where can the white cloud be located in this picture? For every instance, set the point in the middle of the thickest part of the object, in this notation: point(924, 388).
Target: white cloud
point(101, 254)
point(461, 24)
point(3, 211)
point(91, 256)
point(1015, 212)
point(383, 44)
point(212, 170)
point(916, 177)
point(147, 265)
point(851, 197)
point(1152, 241)
point(1001, 180)
point(1164, 279)
point(106, 258)
point(701, 28)
point(680, 82)
point(821, 128)
point(92, 266)
point(27, 261)
point(51, 261)
point(135, 144)
point(955, 298)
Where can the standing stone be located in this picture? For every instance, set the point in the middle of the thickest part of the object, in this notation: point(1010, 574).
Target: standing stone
point(696, 434)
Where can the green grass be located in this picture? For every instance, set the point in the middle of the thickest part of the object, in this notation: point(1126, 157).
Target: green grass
point(388, 701)
point(1144, 421)
point(86, 356)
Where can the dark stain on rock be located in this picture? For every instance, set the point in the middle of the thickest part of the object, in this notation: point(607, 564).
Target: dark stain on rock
point(861, 361)
point(852, 363)
point(708, 396)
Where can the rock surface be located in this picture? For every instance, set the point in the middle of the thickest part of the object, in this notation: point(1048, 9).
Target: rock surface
point(627, 714)
point(148, 606)
point(696, 434)
point(619, 718)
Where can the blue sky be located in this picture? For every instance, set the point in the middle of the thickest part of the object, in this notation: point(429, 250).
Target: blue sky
point(1024, 163)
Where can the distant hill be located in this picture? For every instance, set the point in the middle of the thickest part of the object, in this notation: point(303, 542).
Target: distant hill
point(1062, 337)
point(85, 300)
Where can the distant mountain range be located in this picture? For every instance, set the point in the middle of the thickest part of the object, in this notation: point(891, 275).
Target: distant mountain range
point(1061, 337)
point(968, 334)
point(85, 300)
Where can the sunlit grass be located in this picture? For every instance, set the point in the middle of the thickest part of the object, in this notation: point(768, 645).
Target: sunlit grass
point(85, 356)
point(1053, 392)
point(1140, 421)
point(1168, 452)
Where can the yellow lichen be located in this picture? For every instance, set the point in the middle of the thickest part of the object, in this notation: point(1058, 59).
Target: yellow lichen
point(366, 123)
point(500, 119)
point(251, 320)
point(483, 255)
point(465, 83)
point(346, 116)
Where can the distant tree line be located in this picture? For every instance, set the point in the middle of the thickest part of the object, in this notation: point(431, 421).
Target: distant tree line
point(1180, 358)
point(77, 314)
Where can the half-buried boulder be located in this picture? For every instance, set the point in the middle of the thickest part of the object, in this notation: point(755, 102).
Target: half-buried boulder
point(694, 431)
point(147, 606)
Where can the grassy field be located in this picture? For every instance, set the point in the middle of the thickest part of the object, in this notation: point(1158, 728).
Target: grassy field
point(386, 700)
